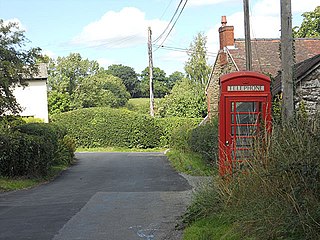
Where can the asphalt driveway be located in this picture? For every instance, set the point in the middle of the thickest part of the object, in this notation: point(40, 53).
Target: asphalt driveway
point(109, 196)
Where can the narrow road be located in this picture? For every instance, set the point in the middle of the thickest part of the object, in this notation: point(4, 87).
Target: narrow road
point(104, 196)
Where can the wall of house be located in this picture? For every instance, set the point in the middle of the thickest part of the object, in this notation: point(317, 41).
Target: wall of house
point(33, 99)
point(308, 93)
point(213, 89)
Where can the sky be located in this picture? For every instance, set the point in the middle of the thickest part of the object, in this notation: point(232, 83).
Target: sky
point(116, 31)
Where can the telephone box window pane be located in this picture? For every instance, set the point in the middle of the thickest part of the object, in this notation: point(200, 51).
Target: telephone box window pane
point(245, 118)
point(243, 154)
point(245, 130)
point(245, 107)
point(244, 142)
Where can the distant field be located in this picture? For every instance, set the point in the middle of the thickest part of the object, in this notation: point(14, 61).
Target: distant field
point(142, 105)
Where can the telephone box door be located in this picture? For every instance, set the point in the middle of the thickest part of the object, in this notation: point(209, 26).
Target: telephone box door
point(245, 117)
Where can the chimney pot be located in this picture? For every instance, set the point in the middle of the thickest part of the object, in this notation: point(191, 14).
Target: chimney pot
point(226, 34)
point(223, 21)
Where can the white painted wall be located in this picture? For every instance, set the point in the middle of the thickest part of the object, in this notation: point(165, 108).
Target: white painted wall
point(33, 99)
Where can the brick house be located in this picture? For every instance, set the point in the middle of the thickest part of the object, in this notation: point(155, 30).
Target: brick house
point(307, 85)
point(265, 59)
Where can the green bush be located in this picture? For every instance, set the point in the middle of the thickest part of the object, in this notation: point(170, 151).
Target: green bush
point(103, 127)
point(204, 140)
point(65, 153)
point(32, 149)
point(107, 127)
point(171, 126)
point(24, 155)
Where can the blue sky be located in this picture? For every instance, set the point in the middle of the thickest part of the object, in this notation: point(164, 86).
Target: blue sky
point(115, 31)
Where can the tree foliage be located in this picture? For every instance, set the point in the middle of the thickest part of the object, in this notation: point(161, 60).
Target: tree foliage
point(310, 26)
point(187, 99)
point(128, 76)
point(161, 85)
point(67, 73)
point(79, 83)
point(197, 68)
point(101, 90)
point(16, 64)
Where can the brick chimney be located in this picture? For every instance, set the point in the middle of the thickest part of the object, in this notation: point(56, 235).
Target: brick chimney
point(226, 34)
point(226, 37)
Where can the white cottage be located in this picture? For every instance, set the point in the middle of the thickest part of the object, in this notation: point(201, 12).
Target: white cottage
point(33, 97)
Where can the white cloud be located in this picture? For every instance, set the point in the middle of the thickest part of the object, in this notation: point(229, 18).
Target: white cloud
point(49, 53)
point(300, 6)
point(16, 20)
point(104, 62)
point(207, 2)
point(128, 27)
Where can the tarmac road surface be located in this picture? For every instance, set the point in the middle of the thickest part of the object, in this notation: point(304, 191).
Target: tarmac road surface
point(104, 196)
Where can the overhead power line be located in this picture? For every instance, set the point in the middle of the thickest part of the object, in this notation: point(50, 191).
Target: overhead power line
point(175, 13)
point(177, 49)
point(185, 3)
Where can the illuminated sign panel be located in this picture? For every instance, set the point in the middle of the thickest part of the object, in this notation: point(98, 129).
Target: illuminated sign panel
point(245, 88)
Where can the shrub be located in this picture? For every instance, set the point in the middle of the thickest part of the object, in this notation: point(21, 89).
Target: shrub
point(32, 149)
point(65, 153)
point(9, 121)
point(204, 140)
point(24, 155)
point(171, 128)
point(103, 127)
point(106, 127)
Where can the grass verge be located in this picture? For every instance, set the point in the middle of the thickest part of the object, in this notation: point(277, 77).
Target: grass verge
point(12, 184)
point(189, 162)
point(211, 228)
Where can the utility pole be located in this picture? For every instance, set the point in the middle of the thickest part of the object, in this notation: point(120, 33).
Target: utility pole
point(150, 72)
point(286, 60)
point(247, 35)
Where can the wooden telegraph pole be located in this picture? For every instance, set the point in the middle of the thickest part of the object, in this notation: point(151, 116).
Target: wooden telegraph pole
point(150, 72)
point(247, 35)
point(286, 60)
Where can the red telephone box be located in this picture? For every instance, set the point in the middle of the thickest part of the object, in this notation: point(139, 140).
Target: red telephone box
point(244, 109)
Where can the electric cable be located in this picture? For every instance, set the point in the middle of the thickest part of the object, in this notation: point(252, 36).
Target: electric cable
point(163, 32)
point(173, 25)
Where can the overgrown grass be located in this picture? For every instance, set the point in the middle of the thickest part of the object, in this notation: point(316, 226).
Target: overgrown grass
point(189, 162)
point(278, 197)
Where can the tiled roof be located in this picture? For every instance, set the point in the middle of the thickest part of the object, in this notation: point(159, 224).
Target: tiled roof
point(42, 73)
point(266, 53)
point(300, 70)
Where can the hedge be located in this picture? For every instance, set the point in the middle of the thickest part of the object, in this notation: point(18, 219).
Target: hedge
point(32, 149)
point(107, 127)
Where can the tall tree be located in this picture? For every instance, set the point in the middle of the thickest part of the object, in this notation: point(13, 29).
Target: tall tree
point(128, 76)
point(66, 73)
point(16, 64)
point(160, 82)
point(197, 67)
point(101, 90)
point(310, 26)
point(174, 78)
point(79, 83)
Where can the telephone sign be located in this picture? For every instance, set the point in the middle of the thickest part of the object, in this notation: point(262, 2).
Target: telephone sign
point(244, 109)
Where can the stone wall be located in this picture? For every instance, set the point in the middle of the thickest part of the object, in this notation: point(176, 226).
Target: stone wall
point(213, 89)
point(308, 93)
